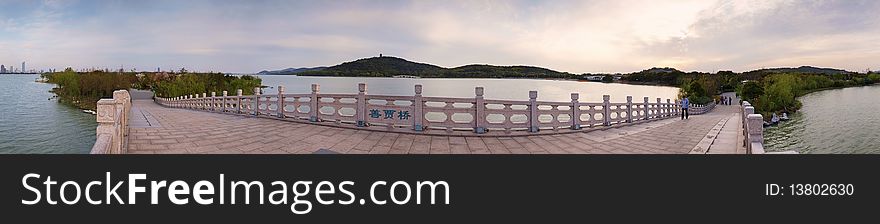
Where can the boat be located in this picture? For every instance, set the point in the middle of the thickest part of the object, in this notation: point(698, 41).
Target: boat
point(90, 112)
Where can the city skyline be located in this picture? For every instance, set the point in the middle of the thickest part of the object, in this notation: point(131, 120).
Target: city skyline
point(569, 36)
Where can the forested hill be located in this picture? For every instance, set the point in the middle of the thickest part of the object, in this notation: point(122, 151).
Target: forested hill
point(386, 66)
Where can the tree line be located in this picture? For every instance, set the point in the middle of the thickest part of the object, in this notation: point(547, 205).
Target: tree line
point(84, 89)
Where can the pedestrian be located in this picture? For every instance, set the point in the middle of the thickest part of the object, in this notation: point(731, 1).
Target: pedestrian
point(684, 108)
point(730, 101)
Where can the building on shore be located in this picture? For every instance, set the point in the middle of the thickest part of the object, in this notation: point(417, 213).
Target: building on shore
point(2, 68)
point(23, 70)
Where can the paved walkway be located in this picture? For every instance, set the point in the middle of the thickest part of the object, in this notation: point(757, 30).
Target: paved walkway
point(729, 139)
point(174, 130)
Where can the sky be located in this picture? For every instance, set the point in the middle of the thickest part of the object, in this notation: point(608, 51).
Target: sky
point(570, 36)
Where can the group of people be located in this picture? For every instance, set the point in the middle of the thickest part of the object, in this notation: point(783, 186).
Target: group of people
point(685, 104)
point(726, 100)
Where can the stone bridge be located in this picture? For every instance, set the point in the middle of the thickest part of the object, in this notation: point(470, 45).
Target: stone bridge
point(257, 124)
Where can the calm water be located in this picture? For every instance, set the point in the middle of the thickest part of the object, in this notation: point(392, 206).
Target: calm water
point(833, 121)
point(29, 123)
point(502, 89)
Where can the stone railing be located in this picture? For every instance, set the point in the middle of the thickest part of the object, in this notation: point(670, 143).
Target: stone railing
point(431, 115)
point(695, 109)
point(112, 131)
point(753, 129)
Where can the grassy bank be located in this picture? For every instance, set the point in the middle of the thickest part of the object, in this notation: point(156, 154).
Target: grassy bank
point(84, 89)
point(778, 93)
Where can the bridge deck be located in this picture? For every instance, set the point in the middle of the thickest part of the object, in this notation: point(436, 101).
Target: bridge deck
point(172, 130)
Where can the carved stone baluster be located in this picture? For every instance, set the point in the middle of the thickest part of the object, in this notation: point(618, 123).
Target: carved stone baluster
point(629, 109)
point(362, 104)
point(225, 94)
point(606, 110)
point(480, 112)
point(418, 109)
point(238, 94)
point(575, 112)
point(256, 103)
point(647, 109)
point(314, 104)
point(281, 101)
point(533, 111)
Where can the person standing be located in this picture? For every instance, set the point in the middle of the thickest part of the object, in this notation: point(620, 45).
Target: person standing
point(684, 108)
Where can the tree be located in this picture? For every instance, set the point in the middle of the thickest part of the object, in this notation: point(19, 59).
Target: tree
point(751, 90)
point(608, 79)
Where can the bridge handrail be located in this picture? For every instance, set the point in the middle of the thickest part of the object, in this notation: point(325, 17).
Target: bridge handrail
point(695, 109)
point(417, 113)
point(753, 129)
point(112, 117)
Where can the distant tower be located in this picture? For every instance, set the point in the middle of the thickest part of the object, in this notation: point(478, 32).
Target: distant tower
point(380, 55)
point(2, 68)
point(23, 70)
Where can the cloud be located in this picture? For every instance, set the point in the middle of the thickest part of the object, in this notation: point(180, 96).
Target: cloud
point(574, 36)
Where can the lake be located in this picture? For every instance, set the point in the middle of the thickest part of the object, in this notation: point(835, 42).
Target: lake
point(831, 121)
point(30, 123)
point(33, 124)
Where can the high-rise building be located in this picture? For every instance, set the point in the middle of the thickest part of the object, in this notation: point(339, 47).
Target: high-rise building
point(22, 68)
point(2, 68)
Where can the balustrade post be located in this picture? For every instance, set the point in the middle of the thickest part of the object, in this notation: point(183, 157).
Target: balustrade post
point(480, 113)
point(213, 101)
point(418, 107)
point(606, 110)
point(362, 104)
point(314, 102)
point(669, 107)
point(575, 112)
point(106, 110)
point(659, 111)
point(238, 106)
point(647, 109)
point(204, 101)
point(280, 101)
point(256, 103)
point(629, 109)
point(225, 94)
point(747, 110)
point(533, 111)
point(756, 134)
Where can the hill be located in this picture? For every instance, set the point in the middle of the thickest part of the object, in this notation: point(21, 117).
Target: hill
point(290, 71)
point(386, 66)
point(803, 69)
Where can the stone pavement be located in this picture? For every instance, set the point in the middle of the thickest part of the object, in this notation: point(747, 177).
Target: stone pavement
point(730, 139)
point(188, 131)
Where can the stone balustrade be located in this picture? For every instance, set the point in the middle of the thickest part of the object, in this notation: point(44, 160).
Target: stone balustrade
point(695, 109)
point(433, 115)
point(753, 129)
point(112, 117)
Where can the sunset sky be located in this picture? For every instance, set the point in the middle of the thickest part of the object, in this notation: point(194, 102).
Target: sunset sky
point(570, 36)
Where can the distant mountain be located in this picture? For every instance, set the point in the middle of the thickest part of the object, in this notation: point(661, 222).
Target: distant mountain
point(803, 69)
point(386, 66)
point(290, 71)
point(660, 70)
